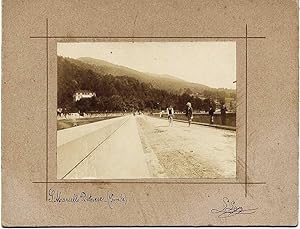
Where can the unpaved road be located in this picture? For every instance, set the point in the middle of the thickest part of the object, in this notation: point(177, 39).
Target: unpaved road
point(146, 147)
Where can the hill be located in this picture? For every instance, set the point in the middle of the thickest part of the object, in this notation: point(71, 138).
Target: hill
point(119, 88)
point(163, 82)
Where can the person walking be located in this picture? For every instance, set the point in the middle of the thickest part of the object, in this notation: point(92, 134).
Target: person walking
point(211, 114)
point(160, 114)
point(189, 112)
point(223, 114)
point(170, 113)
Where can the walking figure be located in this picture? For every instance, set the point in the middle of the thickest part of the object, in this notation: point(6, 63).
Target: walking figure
point(170, 112)
point(189, 112)
point(223, 114)
point(211, 114)
point(160, 114)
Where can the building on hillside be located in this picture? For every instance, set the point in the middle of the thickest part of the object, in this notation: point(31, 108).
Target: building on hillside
point(83, 94)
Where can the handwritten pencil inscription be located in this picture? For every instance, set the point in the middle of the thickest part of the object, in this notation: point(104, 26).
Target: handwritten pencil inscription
point(230, 209)
point(111, 199)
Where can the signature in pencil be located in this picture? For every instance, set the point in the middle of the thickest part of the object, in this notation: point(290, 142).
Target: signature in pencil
point(231, 209)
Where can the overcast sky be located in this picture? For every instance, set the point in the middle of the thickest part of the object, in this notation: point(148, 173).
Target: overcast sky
point(209, 63)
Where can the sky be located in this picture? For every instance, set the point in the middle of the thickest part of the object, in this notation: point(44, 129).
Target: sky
point(209, 63)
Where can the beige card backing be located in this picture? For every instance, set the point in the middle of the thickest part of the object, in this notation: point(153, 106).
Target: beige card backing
point(266, 36)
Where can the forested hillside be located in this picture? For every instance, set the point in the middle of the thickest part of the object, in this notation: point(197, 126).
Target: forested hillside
point(164, 82)
point(119, 90)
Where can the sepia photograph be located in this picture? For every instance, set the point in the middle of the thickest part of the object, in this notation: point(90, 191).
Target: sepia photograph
point(171, 113)
point(135, 110)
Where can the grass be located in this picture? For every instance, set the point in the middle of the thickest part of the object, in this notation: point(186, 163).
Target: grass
point(68, 123)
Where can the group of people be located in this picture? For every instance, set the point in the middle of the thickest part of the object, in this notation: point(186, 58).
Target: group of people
point(189, 114)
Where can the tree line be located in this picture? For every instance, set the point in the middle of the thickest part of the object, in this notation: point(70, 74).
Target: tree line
point(121, 93)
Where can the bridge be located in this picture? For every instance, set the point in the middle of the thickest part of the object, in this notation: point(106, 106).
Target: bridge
point(141, 146)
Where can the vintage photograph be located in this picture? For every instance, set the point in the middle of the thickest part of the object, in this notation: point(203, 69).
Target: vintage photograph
point(132, 110)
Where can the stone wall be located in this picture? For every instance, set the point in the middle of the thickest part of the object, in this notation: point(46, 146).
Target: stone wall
point(204, 118)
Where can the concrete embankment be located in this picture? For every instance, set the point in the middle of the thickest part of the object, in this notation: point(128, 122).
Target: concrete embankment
point(74, 144)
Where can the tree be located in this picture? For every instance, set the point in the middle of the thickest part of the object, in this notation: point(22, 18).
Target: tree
point(116, 103)
point(83, 105)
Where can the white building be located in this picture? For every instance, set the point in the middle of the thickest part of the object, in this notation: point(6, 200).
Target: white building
point(83, 94)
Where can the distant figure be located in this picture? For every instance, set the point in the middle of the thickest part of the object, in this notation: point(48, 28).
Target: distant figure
point(170, 113)
point(223, 114)
point(189, 112)
point(65, 112)
point(160, 114)
point(211, 114)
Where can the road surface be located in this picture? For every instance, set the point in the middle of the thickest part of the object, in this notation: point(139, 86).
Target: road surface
point(145, 147)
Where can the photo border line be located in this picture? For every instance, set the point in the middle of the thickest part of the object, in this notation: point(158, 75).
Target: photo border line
point(146, 182)
point(47, 104)
point(143, 37)
point(246, 123)
point(47, 37)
